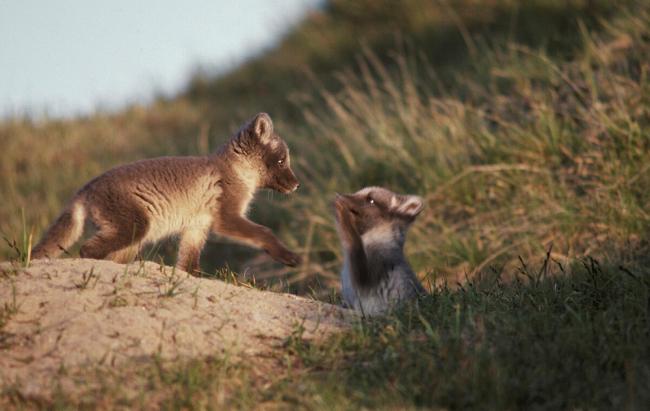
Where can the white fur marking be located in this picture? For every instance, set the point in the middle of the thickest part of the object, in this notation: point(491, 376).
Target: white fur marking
point(79, 217)
point(382, 234)
point(249, 176)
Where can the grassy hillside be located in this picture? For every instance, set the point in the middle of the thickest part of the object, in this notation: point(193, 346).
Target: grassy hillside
point(524, 125)
point(548, 340)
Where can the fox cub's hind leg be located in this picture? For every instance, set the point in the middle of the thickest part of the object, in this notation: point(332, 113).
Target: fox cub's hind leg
point(117, 238)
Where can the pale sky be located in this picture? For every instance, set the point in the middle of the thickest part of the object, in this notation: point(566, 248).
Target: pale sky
point(67, 57)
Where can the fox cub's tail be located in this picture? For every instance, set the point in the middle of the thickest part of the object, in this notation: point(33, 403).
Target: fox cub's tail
point(63, 233)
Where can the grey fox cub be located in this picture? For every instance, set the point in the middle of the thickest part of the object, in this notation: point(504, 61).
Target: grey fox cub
point(372, 224)
point(148, 200)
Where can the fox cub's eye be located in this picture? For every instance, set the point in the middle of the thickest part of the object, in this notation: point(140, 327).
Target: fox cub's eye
point(280, 162)
point(370, 200)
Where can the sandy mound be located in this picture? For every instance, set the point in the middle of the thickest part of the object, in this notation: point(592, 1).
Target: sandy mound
point(73, 313)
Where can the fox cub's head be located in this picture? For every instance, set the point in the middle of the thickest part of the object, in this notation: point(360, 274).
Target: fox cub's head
point(267, 153)
point(376, 214)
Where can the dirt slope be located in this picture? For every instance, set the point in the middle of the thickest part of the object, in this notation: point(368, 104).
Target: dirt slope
point(73, 313)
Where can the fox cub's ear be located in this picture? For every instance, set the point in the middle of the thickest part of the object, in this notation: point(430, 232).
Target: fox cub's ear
point(262, 127)
point(410, 206)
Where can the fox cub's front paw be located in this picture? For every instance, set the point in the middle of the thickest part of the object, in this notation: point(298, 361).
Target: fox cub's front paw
point(285, 256)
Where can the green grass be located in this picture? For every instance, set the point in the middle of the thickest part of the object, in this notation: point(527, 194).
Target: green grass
point(547, 342)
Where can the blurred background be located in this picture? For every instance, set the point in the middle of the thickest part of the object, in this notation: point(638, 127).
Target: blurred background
point(74, 57)
point(524, 124)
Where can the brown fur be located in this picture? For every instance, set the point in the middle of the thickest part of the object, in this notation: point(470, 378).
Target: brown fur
point(148, 200)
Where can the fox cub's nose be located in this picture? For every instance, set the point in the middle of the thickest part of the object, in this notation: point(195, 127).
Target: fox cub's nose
point(297, 186)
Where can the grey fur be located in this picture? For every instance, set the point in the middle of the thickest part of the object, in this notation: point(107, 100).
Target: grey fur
point(190, 197)
point(372, 225)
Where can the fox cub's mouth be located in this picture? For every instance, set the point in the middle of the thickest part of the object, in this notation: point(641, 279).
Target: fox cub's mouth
point(289, 190)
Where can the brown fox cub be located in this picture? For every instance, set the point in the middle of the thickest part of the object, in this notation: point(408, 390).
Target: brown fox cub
point(372, 225)
point(148, 200)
